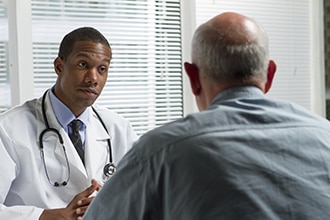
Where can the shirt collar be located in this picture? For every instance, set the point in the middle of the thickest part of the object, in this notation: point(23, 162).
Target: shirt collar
point(242, 92)
point(63, 114)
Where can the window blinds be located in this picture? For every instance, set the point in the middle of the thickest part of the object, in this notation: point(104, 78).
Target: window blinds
point(288, 25)
point(4, 76)
point(145, 76)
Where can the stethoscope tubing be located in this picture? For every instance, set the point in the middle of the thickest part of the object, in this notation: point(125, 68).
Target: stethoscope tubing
point(108, 169)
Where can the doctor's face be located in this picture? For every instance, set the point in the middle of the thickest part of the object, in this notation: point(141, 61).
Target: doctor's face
point(82, 75)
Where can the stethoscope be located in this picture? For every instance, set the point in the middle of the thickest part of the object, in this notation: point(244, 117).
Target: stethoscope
point(108, 170)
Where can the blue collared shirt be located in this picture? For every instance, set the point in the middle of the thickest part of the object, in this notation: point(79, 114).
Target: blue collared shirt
point(64, 115)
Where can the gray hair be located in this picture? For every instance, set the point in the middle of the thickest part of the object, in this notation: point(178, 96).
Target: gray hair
point(222, 58)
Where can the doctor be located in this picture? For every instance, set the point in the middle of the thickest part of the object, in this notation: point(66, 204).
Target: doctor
point(42, 174)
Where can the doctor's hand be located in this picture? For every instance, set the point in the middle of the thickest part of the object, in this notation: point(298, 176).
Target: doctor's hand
point(76, 208)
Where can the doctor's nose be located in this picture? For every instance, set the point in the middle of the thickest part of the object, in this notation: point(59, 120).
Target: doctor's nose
point(91, 76)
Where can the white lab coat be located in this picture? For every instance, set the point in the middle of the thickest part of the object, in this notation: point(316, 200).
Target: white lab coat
point(24, 188)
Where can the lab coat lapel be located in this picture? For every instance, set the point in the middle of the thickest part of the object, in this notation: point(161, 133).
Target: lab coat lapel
point(77, 168)
point(96, 147)
point(40, 120)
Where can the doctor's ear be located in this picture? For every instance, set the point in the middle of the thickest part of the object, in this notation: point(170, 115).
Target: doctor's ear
point(58, 65)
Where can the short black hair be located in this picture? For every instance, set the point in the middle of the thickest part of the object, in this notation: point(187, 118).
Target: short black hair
point(80, 34)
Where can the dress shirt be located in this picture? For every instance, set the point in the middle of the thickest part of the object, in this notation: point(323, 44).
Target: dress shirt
point(65, 116)
point(245, 157)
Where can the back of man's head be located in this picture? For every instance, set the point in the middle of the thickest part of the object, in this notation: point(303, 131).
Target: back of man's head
point(231, 49)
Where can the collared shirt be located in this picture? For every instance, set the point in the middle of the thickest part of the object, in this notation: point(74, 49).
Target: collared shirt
point(65, 116)
point(245, 157)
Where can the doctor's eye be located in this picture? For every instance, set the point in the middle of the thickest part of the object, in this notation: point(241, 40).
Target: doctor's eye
point(102, 69)
point(82, 64)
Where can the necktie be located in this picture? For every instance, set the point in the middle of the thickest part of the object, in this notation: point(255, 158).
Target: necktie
point(76, 139)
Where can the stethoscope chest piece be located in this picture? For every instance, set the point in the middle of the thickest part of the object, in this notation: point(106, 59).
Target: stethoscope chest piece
point(108, 170)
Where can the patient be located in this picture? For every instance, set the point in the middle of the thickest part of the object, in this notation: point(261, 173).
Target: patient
point(243, 156)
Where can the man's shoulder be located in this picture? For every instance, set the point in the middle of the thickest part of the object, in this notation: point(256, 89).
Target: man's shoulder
point(290, 111)
point(164, 136)
point(109, 116)
point(27, 108)
point(105, 111)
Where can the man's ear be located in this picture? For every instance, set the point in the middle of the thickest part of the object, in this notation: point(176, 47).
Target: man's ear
point(193, 74)
point(58, 65)
point(270, 75)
